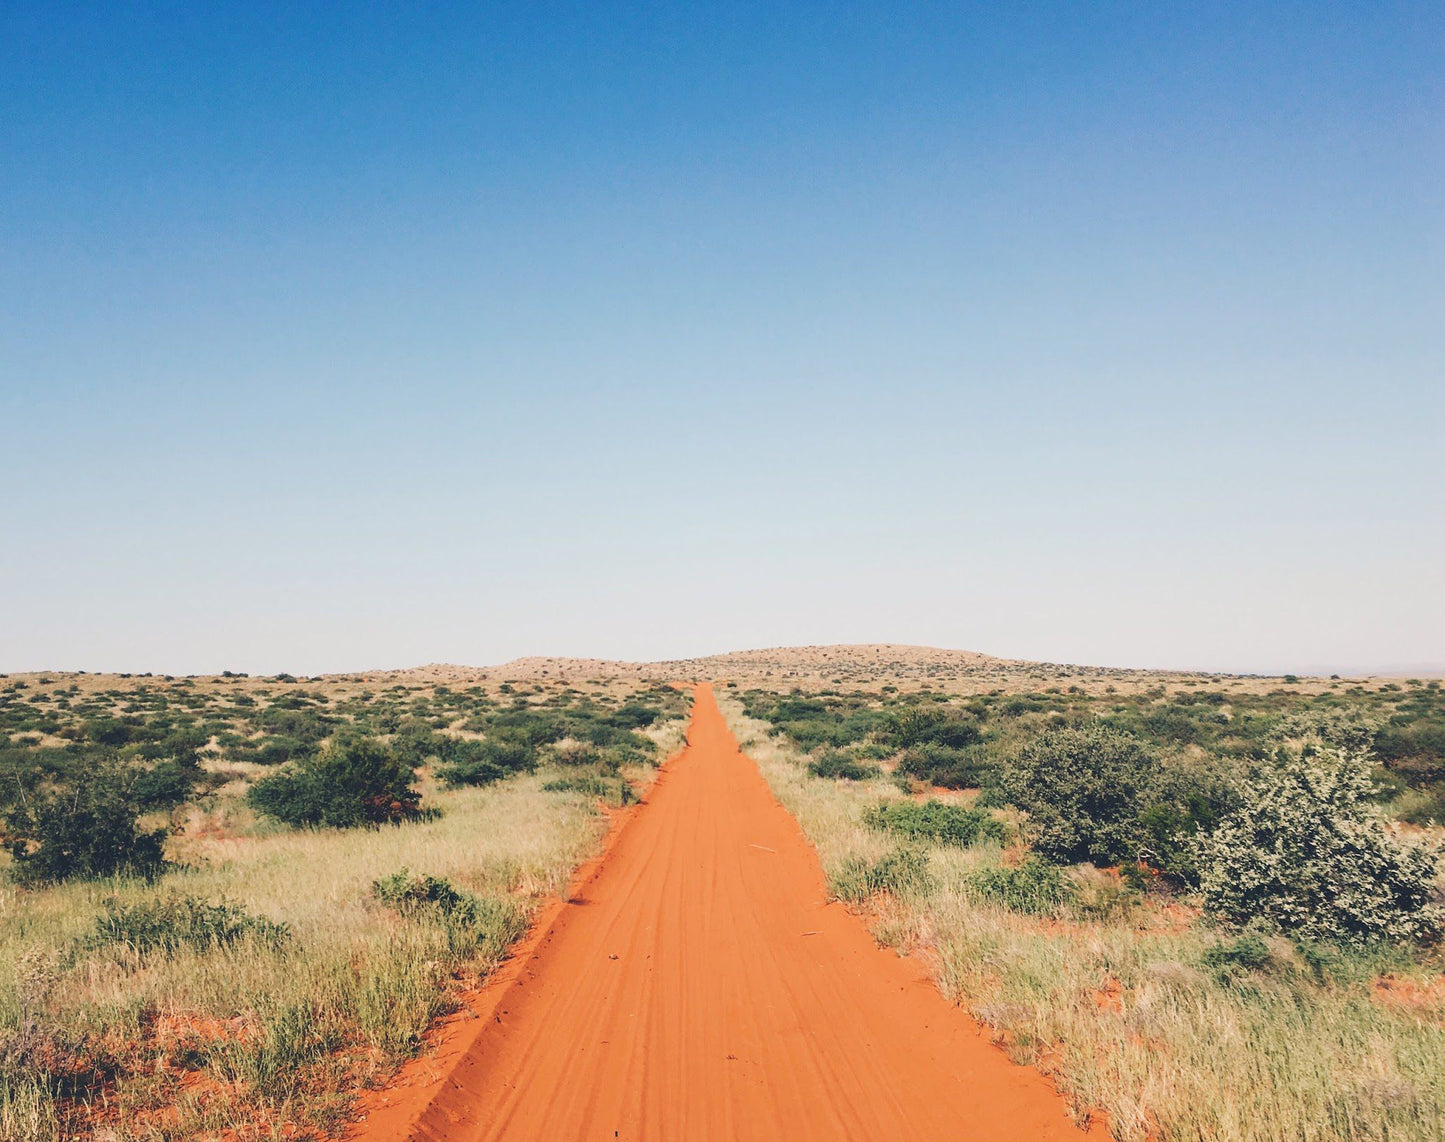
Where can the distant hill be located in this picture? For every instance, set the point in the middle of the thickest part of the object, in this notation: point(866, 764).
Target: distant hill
point(814, 662)
point(821, 667)
point(808, 668)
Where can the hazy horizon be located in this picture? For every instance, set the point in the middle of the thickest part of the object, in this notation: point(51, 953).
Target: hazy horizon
point(1087, 333)
point(1396, 670)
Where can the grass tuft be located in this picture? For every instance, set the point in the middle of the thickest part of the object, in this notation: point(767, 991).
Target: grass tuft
point(170, 923)
point(1034, 887)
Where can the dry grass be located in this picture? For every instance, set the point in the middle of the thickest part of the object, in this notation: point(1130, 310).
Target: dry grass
point(1117, 1004)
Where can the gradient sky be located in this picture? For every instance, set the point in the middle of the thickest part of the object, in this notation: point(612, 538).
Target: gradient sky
point(348, 336)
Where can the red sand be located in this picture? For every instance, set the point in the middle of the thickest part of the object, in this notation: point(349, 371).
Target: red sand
point(699, 986)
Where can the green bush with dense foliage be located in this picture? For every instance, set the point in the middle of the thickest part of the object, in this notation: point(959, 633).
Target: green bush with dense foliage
point(86, 829)
point(1084, 791)
point(835, 763)
point(947, 767)
point(483, 762)
point(1307, 852)
point(354, 781)
point(912, 726)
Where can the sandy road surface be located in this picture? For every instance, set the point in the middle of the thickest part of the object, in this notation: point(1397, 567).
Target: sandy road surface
point(702, 988)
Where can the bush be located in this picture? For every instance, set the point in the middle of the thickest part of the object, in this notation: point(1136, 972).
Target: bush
point(473, 924)
point(635, 715)
point(278, 749)
point(1035, 887)
point(407, 893)
point(110, 731)
point(917, 725)
point(534, 727)
point(87, 831)
point(833, 763)
point(1191, 799)
point(575, 754)
point(415, 742)
point(1307, 853)
point(1084, 790)
point(176, 922)
point(935, 821)
point(164, 785)
point(947, 767)
point(902, 872)
point(355, 781)
point(483, 762)
point(1349, 729)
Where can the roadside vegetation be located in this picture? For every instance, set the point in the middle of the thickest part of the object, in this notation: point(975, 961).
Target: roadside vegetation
point(228, 905)
point(1207, 915)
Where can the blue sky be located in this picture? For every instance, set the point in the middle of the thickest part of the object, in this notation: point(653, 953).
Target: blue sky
point(339, 338)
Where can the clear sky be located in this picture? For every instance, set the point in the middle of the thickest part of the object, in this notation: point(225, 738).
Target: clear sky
point(347, 336)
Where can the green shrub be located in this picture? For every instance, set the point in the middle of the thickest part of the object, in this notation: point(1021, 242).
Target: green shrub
point(473, 924)
point(87, 830)
point(813, 722)
point(1169, 832)
point(947, 767)
point(354, 781)
point(834, 763)
point(483, 762)
point(174, 922)
point(1084, 791)
point(284, 718)
point(407, 893)
point(415, 742)
point(1247, 953)
point(1306, 852)
point(935, 820)
point(624, 743)
point(276, 749)
point(534, 727)
point(918, 725)
point(1348, 728)
point(164, 785)
point(903, 872)
point(1035, 887)
point(111, 731)
point(478, 771)
point(635, 715)
point(575, 754)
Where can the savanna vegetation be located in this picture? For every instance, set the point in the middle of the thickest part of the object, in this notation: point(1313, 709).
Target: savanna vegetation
point(1208, 912)
point(228, 905)
point(1209, 908)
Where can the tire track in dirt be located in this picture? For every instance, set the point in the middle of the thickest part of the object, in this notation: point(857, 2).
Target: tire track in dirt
point(701, 987)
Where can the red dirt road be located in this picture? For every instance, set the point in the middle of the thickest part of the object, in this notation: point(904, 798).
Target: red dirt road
point(702, 988)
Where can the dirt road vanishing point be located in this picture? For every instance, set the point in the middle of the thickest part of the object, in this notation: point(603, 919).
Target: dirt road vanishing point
point(701, 987)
